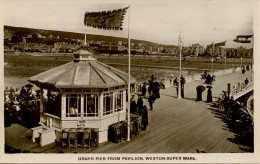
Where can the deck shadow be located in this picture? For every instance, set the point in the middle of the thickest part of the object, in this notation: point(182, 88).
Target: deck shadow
point(242, 134)
point(186, 98)
point(246, 143)
point(168, 95)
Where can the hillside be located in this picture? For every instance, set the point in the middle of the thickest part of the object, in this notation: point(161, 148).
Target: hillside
point(22, 31)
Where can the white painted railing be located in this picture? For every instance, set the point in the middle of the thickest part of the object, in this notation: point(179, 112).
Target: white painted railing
point(240, 89)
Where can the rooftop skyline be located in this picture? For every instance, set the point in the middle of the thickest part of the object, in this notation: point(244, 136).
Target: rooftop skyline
point(199, 21)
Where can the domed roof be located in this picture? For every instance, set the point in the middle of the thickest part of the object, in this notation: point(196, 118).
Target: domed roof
point(83, 72)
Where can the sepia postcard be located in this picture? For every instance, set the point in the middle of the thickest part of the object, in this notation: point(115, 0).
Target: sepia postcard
point(132, 81)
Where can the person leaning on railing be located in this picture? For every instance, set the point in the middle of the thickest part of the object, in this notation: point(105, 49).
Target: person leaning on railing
point(246, 82)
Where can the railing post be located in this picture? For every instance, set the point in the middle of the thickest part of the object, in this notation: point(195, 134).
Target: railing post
point(229, 89)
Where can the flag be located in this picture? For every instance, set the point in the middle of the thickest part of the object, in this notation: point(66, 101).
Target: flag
point(108, 20)
point(243, 39)
point(221, 44)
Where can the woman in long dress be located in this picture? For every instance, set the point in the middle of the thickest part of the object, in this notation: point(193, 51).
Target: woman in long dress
point(209, 96)
point(199, 94)
point(144, 90)
point(144, 117)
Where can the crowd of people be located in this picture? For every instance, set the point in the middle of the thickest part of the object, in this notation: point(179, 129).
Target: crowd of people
point(151, 94)
point(236, 113)
point(22, 105)
point(176, 83)
point(210, 79)
point(245, 68)
point(200, 89)
point(17, 102)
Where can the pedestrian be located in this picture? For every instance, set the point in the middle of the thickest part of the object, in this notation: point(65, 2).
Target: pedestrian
point(247, 68)
point(150, 88)
point(140, 104)
point(152, 78)
point(162, 84)
point(156, 90)
point(226, 103)
point(132, 98)
point(231, 103)
point(213, 78)
point(205, 74)
point(243, 69)
point(183, 81)
point(177, 86)
point(144, 89)
point(209, 96)
point(151, 100)
point(133, 106)
point(208, 79)
point(246, 82)
point(199, 90)
point(199, 95)
point(144, 117)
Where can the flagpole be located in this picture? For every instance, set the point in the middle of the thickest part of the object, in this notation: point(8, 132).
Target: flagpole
point(85, 42)
point(179, 83)
point(225, 58)
point(129, 51)
point(241, 60)
point(212, 49)
point(212, 59)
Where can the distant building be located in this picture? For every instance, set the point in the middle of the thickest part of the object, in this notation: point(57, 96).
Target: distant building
point(39, 36)
point(218, 51)
point(23, 39)
point(239, 52)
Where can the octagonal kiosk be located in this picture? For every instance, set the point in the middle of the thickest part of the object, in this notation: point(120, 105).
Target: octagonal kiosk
point(83, 93)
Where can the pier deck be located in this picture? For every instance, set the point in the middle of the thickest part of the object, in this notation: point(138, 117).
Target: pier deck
point(175, 126)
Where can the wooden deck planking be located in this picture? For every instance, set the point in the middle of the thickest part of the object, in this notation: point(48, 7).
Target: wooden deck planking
point(175, 126)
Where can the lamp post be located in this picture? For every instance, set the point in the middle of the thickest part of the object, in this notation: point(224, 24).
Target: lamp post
point(179, 83)
point(225, 56)
point(212, 60)
point(225, 63)
point(241, 61)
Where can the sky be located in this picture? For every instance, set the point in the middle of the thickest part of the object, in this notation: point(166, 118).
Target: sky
point(200, 21)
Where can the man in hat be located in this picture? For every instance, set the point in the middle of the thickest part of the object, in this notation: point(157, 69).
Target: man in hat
point(151, 100)
point(208, 79)
point(133, 106)
point(132, 98)
point(177, 85)
point(144, 89)
point(140, 104)
point(183, 81)
point(152, 78)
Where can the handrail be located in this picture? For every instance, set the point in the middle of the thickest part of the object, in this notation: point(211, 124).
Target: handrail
point(239, 88)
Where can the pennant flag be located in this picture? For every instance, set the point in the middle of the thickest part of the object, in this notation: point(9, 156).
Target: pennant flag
point(108, 20)
point(221, 44)
point(243, 39)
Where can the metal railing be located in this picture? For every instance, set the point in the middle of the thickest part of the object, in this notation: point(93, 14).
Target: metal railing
point(241, 89)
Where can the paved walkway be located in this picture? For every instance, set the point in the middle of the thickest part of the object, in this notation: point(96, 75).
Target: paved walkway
point(175, 126)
